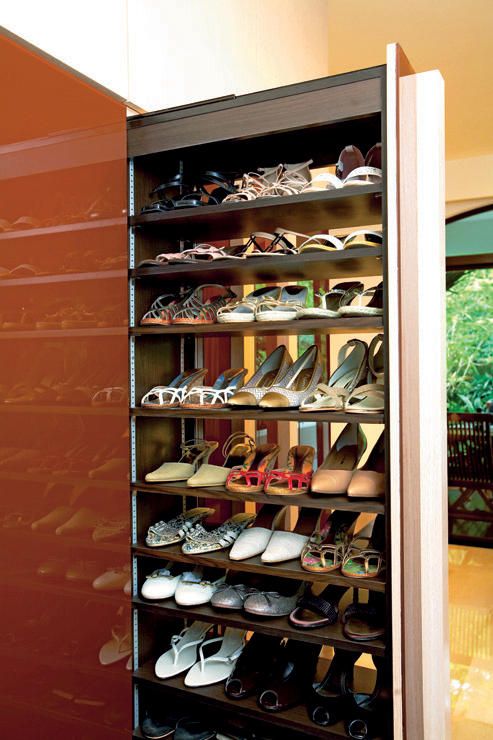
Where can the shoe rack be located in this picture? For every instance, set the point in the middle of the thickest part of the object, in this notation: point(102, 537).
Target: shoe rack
point(309, 120)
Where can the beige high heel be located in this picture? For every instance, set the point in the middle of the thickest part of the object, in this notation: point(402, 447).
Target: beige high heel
point(270, 373)
point(235, 453)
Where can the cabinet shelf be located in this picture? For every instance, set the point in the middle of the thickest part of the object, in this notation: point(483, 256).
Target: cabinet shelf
point(370, 325)
point(69, 277)
point(339, 503)
point(291, 569)
point(259, 415)
point(110, 331)
point(306, 213)
point(11, 408)
point(279, 627)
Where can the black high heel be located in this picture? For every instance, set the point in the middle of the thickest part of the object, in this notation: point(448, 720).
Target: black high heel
point(369, 715)
point(331, 699)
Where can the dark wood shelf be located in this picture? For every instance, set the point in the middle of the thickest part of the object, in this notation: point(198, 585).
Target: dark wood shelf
point(349, 264)
point(295, 719)
point(14, 408)
point(110, 331)
point(64, 589)
point(68, 277)
point(277, 328)
point(260, 415)
point(100, 223)
point(339, 503)
point(43, 540)
point(68, 480)
point(306, 213)
point(291, 569)
point(278, 627)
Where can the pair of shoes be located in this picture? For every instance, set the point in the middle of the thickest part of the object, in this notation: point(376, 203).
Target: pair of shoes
point(339, 473)
point(257, 473)
point(185, 390)
point(352, 169)
point(280, 672)
point(270, 182)
point(194, 468)
point(346, 300)
point(346, 389)
point(280, 383)
point(189, 588)
point(191, 306)
point(175, 724)
point(190, 191)
point(271, 597)
point(336, 699)
point(189, 645)
point(271, 303)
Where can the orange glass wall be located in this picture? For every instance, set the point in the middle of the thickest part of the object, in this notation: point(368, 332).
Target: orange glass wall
point(64, 536)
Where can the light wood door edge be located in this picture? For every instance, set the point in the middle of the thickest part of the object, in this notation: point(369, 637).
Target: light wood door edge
point(421, 255)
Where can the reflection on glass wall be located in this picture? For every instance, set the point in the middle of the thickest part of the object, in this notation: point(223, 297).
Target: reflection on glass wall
point(65, 617)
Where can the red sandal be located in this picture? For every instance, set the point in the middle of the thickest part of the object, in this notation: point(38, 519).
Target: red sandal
point(251, 477)
point(296, 477)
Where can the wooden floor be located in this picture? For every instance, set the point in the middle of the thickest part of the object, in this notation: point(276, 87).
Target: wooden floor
point(471, 642)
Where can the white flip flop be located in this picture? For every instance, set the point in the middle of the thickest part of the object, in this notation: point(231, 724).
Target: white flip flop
point(217, 667)
point(183, 652)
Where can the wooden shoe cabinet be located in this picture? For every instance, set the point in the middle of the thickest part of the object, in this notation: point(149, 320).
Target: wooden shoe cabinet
point(310, 120)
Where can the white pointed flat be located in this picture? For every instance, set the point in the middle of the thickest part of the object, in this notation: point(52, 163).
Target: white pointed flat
point(194, 590)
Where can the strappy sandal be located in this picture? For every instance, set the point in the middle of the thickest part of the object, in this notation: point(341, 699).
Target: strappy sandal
point(335, 473)
point(291, 179)
point(369, 481)
point(271, 372)
point(285, 308)
point(173, 394)
point(364, 556)
point(236, 449)
point(276, 243)
point(200, 311)
point(236, 312)
point(164, 308)
point(204, 253)
point(324, 551)
point(361, 622)
point(215, 396)
point(114, 396)
point(366, 399)
point(361, 306)
point(351, 371)
point(313, 611)
point(162, 534)
point(201, 541)
point(194, 452)
point(330, 243)
point(295, 478)
point(332, 300)
point(251, 184)
point(298, 384)
point(250, 477)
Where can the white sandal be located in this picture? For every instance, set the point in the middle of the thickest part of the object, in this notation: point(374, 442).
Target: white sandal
point(243, 310)
point(352, 368)
point(330, 243)
point(331, 301)
point(286, 308)
point(215, 396)
point(361, 306)
point(217, 667)
point(183, 651)
point(173, 394)
point(366, 399)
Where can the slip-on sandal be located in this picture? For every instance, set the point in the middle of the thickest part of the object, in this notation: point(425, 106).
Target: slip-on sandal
point(173, 394)
point(354, 169)
point(194, 452)
point(364, 557)
point(295, 478)
point(351, 371)
point(270, 373)
point(116, 649)
point(215, 396)
point(250, 477)
point(285, 546)
point(236, 312)
point(219, 666)
point(162, 583)
point(183, 651)
point(254, 540)
point(285, 308)
point(332, 300)
point(335, 473)
point(298, 383)
point(324, 551)
point(253, 666)
point(198, 587)
point(366, 399)
point(200, 540)
point(164, 533)
point(369, 480)
point(367, 302)
point(313, 611)
point(236, 449)
point(365, 621)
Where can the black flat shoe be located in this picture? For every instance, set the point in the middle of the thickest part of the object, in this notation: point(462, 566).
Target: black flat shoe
point(158, 726)
point(193, 729)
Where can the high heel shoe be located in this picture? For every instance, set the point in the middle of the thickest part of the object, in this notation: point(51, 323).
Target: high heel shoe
point(364, 557)
point(369, 481)
point(250, 477)
point(295, 478)
point(173, 394)
point(324, 551)
point(215, 396)
point(370, 398)
point(350, 373)
point(336, 471)
point(270, 372)
point(369, 715)
point(298, 383)
point(235, 453)
point(291, 676)
point(330, 699)
point(194, 452)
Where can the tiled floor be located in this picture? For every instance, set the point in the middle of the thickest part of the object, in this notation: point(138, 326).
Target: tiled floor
point(471, 642)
